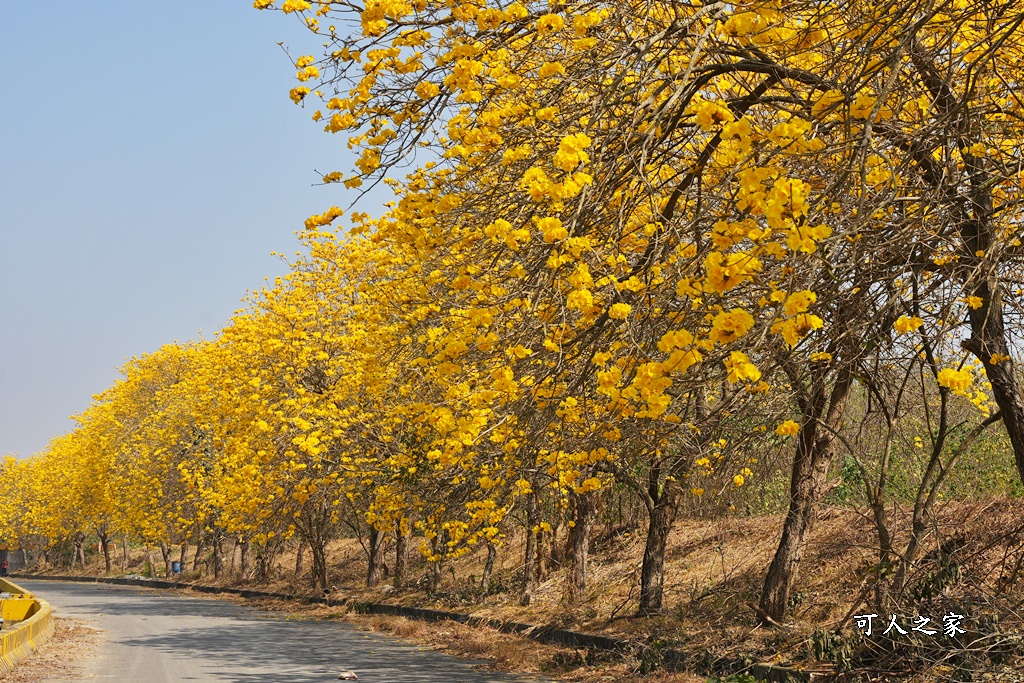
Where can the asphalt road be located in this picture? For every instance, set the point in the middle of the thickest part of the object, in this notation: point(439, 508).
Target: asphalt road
point(153, 636)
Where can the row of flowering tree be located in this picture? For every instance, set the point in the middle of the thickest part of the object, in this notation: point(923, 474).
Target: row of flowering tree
point(632, 242)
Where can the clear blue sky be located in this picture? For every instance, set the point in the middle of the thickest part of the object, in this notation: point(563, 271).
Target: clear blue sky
point(150, 161)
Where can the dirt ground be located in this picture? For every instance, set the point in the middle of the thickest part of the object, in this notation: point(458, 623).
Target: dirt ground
point(714, 569)
point(513, 653)
point(71, 640)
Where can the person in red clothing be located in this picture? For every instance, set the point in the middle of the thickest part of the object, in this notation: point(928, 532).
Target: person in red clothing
point(3, 568)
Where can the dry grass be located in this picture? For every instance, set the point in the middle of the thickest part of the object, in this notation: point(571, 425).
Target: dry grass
point(72, 639)
point(713, 568)
point(508, 652)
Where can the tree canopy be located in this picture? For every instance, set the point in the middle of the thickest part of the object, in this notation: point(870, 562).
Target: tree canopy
point(628, 241)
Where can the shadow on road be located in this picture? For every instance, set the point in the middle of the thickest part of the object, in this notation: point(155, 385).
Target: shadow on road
point(234, 642)
point(298, 646)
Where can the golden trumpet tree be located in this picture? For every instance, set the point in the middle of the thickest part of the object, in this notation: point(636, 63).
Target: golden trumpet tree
point(660, 187)
point(630, 240)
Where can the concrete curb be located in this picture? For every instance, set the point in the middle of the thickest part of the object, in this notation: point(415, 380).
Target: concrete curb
point(549, 635)
point(178, 585)
point(20, 641)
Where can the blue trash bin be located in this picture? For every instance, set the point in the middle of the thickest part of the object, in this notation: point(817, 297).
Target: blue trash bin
point(175, 567)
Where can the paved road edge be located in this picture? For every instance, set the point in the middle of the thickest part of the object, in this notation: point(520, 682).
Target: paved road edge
point(667, 657)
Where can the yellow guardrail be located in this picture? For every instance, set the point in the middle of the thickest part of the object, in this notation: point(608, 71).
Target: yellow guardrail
point(34, 625)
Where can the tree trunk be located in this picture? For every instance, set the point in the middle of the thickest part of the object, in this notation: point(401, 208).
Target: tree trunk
point(532, 522)
point(165, 552)
point(150, 565)
point(485, 581)
point(435, 565)
point(373, 546)
point(244, 559)
point(218, 555)
point(181, 558)
point(124, 556)
point(401, 555)
point(556, 557)
point(980, 232)
point(266, 553)
point(576, 547)
point(811, 463)
point(988, 340)
point(105, 547)
point(543, 545)
point(234, 549)
point(652, 569)
point(298, 558)
point(197, 562)
point(318, 553)
point(609, 521)
point(877, 504)
point(79, 555)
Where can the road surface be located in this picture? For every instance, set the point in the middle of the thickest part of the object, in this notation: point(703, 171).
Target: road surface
point(153, 636)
